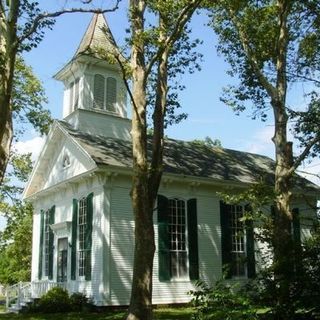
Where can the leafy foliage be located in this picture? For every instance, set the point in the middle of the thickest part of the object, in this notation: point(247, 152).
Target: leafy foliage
point(54, 301)
point(16, 238)
point(250, 29)
point(307, 124)
point(15, 248)
point(222, 302)
point(28, 101)
point(208, 142)
point(184, 58)
point(58, 300)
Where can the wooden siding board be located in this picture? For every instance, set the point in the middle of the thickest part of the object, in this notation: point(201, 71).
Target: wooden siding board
point(122, 240)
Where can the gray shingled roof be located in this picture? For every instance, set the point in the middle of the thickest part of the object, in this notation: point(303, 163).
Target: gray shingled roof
point(97, 35)
point(189, 159)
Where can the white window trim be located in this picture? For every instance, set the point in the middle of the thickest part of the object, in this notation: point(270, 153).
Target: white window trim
point(104, 109)
point(78, 276)
point(239, 277)
point(185, 278)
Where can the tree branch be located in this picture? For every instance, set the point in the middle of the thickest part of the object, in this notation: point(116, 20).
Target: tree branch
point(304, 153)
point(251, 56)
point(182, 19)
point(124, 78)
point(47, 15)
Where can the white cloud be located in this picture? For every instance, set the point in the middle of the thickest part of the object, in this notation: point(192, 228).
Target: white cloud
point(261, 142)
point(33, 145)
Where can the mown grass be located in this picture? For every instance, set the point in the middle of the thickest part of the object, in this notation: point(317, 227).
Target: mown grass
point(159, 314)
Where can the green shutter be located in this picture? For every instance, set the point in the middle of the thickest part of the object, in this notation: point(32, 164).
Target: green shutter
point(51, 241)
point(226, 243)
point(163, 239)
point(41, 244)
point(251, 261)
point(88, 236)
point(193, 239)
point(74, 239)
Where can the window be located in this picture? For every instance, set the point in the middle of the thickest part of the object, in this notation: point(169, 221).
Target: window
point(46, 243)
point(47, 232)
point(82, 225)
point(237, 242)
point(104, 93)
point(178, 241)
point(66, 161)
point(74, 94)
point(81, 238)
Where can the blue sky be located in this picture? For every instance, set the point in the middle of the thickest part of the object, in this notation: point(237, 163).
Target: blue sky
point(208, 116)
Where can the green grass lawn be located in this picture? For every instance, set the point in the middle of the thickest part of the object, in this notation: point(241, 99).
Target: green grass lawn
point(161, 314)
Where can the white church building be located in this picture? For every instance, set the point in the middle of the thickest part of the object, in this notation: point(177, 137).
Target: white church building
point(83, 228)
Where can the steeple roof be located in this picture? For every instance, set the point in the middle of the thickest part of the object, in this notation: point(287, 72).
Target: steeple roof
point(97, 35)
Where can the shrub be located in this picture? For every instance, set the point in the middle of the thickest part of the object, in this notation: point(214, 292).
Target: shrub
point(222, 302)
point(58, 300)
point(80, 301)
point(55, 300)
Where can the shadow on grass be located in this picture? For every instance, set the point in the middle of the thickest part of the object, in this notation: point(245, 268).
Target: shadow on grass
point(159, 314)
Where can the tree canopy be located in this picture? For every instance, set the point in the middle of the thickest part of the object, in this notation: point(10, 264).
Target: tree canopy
point(270, 45)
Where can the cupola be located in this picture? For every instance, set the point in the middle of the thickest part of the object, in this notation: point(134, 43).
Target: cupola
point(93, 86)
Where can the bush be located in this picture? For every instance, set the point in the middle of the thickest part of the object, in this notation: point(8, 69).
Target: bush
point(58, 300)
point(55, 300)
point(80, 302)
point(222, 302)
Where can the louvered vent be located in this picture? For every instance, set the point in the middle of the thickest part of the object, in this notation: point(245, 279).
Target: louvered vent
point(98, 91)
point(111, 94)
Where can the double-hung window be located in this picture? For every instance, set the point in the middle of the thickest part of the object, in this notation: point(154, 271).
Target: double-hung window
point(81, 240)
point(47, 231)
point(237, 241)
point(178, 238)
point(82, 224)
point(46, 243)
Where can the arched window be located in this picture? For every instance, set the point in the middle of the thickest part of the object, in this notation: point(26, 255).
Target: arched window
point(111, 94)
point(98, 91)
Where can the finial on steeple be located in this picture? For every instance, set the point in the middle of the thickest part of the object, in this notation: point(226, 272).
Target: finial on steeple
point(97, 35)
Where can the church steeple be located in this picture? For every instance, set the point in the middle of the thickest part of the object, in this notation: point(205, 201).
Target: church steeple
point(97, 35)
point(91, 82)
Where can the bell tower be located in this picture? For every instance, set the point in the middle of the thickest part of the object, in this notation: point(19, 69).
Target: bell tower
point(94, 93)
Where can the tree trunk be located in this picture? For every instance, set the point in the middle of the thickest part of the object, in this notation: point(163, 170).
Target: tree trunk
point(8, 52)
point(147, 175)
point(141, 292)
point(6, 133)
point(283, 249)
point(282, 240)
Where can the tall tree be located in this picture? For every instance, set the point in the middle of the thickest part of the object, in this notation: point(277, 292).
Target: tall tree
point(28, 101)
point(265, 43)
point(22, 26)
point(151, 50)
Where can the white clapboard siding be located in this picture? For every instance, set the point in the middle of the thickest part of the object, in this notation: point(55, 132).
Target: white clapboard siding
point(122, 241)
